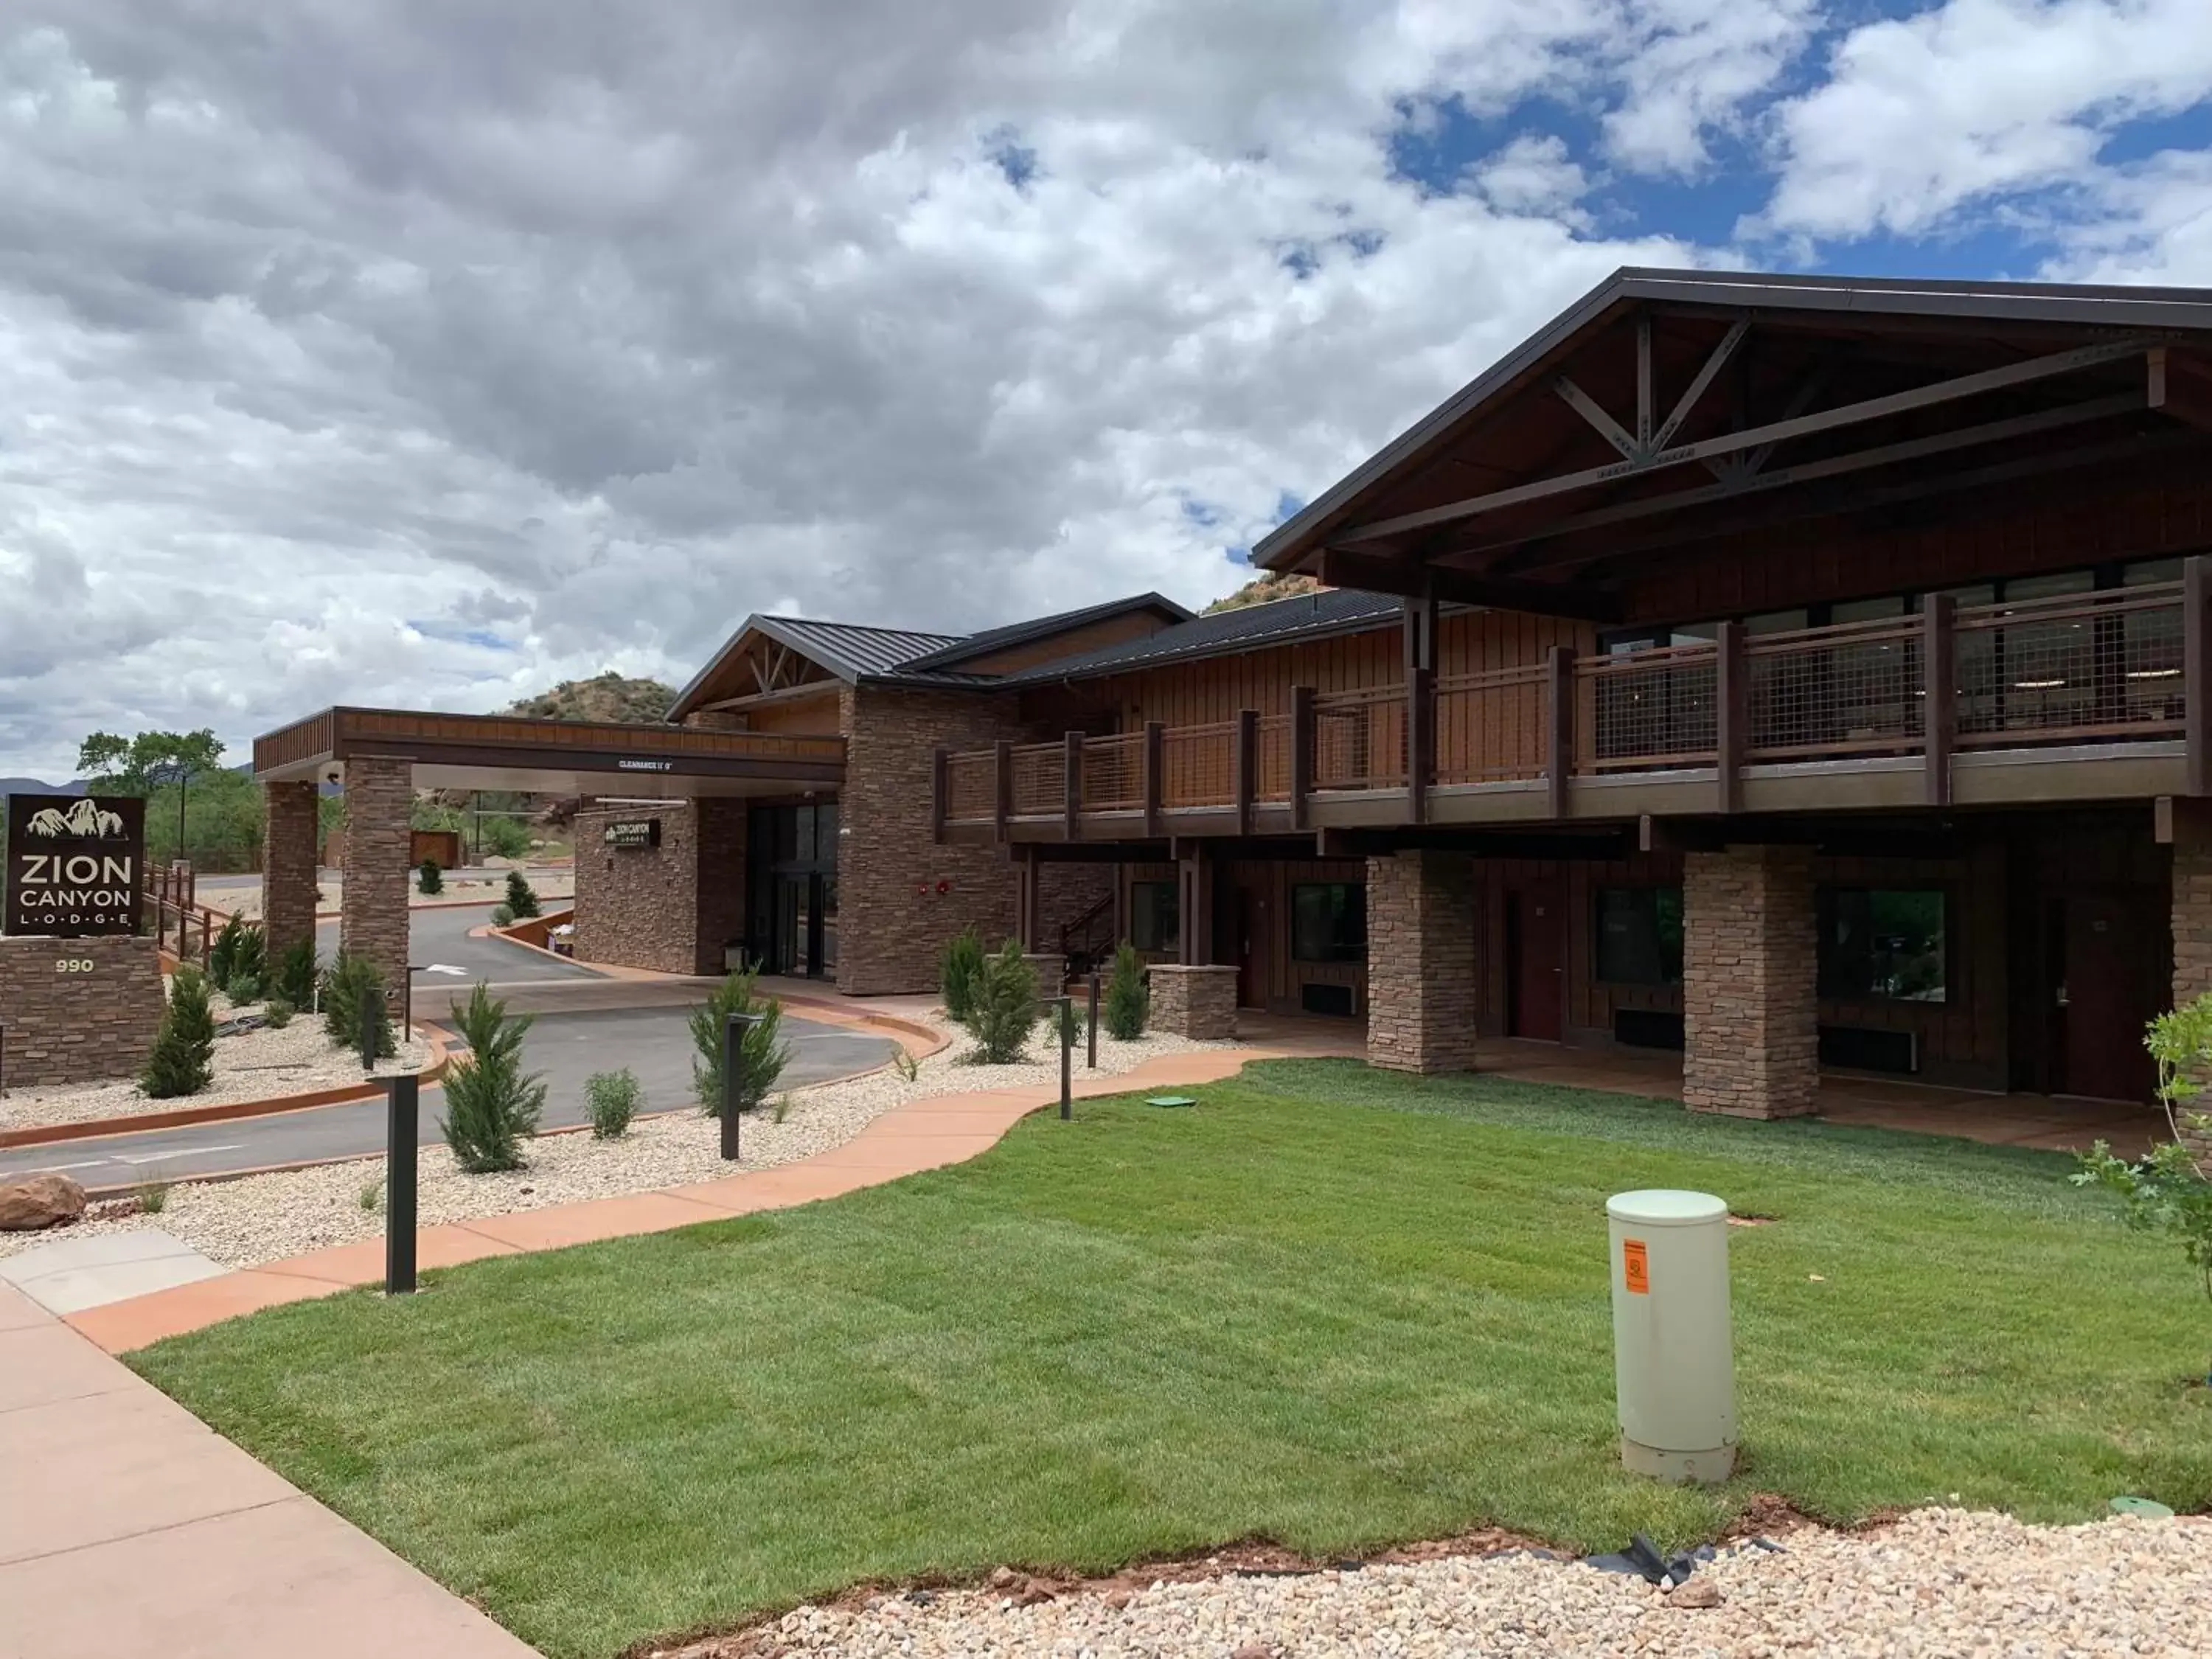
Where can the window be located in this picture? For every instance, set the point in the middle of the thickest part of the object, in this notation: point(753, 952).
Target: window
point(1154, 923)
point(1639, 935)
point(1328, 921)
point(1882, 942)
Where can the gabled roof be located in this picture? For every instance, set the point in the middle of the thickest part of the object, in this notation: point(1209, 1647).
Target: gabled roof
point(1042, 628)
point(847, 650)
point(1248, 627)
point(2058, 313)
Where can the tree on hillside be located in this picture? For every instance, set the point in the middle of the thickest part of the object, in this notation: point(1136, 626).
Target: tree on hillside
point(115, 765)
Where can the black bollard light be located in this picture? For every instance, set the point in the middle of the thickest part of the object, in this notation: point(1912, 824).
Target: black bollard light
point(372, 1005)
point(1066, 1055)
point(402, 1114)
point(1094, 1019)
point(733, 1061)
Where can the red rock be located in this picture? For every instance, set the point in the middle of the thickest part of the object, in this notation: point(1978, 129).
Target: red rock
point(39, 1200)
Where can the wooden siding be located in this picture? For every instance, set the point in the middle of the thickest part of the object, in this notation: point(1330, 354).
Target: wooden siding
point(817, 716)
point(1283, 979)
point(1112, 630)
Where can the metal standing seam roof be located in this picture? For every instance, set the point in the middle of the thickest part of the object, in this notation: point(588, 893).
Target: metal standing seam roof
point(1021, 633)
point(848, 650)
point(1297, 538)
point(1248, 627)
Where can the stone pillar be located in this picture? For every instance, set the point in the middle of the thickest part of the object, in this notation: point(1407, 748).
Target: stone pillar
point(288, 865)
point(1051, 971)
point(1193, 1001)
point(1749, 941)
point(2192, 937)
point(1420, 962)
point(380, 798)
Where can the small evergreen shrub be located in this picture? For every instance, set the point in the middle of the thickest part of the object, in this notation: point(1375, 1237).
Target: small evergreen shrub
point(1074, 1024)
point(491, 1104)
point(429, 880)
point(243, 988)
point(224, 952)
point(1128, 1004)
point(277, 1014)
point(957, 970)
point(613, 1098)
point(1005, 1011)
point(521, 896)
point(249, 965)
point(349, 979)
point(295, 982)
point(183, 1060)
point(501, 916)
point(761, 1051)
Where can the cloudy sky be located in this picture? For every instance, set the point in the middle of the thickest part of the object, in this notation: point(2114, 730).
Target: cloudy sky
point(427, 351)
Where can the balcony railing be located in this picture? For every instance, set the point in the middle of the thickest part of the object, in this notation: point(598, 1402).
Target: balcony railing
point(2105, 667)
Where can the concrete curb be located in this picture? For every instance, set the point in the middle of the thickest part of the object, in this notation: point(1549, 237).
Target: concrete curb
point(47, 1134)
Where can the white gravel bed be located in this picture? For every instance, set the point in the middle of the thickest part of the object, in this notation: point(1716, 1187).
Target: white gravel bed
point(248, 1066)
point(266, 1218)
point(1939, 1581)
point(548, 885)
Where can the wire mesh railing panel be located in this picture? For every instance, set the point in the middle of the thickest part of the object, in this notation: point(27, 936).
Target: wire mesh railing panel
point(1114, 774)
point(1852, 688)
point(1199, 766)
point(1272, 759)
point(1646, 708)
point(2105, 664)
point(1359, 739)
point(1489, 726)
point(971, 787)
point(1040, 775)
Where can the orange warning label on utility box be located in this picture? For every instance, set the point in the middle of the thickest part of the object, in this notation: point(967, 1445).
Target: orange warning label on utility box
point(1636, 1266)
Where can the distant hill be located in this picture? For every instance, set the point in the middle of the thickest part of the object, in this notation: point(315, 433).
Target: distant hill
point(1275, 585)
point(606, 696)
point(32, 786)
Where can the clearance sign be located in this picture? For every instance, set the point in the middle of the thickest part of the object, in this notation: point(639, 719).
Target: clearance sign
point(75, 865)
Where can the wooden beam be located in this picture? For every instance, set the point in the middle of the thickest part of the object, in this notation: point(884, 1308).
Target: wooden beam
point(1588, 408)
point(2180, 388)
point(1558, 726)
point(1401, 576)
point(1732, 715)
point(1247, 779)
point(1744, 486)
point(2196, 672)
point(1870, 408)
point(1302, 754)
point(1002, 800)
point(1155, 776)
point(1420, 740)
point(1687, 402)
point(1939, 681)
point(1643, 398)
point(1071, 774)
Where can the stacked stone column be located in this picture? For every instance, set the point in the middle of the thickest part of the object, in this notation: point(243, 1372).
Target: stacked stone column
point(379, 800)
point(1196, 1000)
point(1420, 962)
point(2192, 937)
point(289, 894)
point(1748, 955)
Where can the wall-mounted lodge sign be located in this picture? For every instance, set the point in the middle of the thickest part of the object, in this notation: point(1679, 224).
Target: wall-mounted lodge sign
point(75, 865)
point(633, 832)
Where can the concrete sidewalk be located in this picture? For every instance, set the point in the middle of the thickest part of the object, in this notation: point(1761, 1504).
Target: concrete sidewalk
point(131, 1526)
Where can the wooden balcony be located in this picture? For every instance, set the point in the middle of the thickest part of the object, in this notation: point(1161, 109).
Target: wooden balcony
point(2089, 696)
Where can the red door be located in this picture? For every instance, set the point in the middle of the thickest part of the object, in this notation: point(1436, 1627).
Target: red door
point(1535, 940)
point(2107, 994)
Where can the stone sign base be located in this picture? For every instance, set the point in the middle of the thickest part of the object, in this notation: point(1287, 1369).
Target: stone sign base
point(77, 1009)
point(1193, 1002)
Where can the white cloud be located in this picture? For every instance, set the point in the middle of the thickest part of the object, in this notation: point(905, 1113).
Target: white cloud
point(1976, 101)
point(1690, 67)
point(341, 340)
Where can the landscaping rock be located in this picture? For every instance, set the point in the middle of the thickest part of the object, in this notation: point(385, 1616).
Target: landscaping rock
point(38, 1201)
point(1698, 1593)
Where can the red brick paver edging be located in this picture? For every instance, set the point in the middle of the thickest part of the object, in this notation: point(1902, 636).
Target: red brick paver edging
point(923, 1134)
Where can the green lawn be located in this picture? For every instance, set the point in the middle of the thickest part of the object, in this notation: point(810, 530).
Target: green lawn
point(1329, 1306)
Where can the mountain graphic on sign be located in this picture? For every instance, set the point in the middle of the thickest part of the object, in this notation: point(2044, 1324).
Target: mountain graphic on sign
point(82, 819)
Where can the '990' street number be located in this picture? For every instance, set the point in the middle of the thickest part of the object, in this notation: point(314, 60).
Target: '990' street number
point(74, 965)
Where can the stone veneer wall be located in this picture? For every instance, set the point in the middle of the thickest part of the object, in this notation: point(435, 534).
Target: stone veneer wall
point(2192, 940)
point(289, 895)
point(1193, 1001)
point(1748, 1011)
point(892, 920)
point(672, 908)
point(380, 802)
point(1420, 962)
point(65, 1024)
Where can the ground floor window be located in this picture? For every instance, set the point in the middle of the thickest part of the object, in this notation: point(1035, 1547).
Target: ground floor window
point(1639, 935)
point(1883, 942)
point(1155, 921)
point(1328, 921)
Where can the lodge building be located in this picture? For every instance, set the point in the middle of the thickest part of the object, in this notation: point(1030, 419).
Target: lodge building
point(1796, 673)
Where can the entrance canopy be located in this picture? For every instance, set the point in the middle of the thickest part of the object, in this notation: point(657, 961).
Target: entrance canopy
point(552, 758)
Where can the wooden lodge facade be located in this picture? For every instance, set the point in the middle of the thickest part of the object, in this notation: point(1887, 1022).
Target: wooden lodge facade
point(1794, 672)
